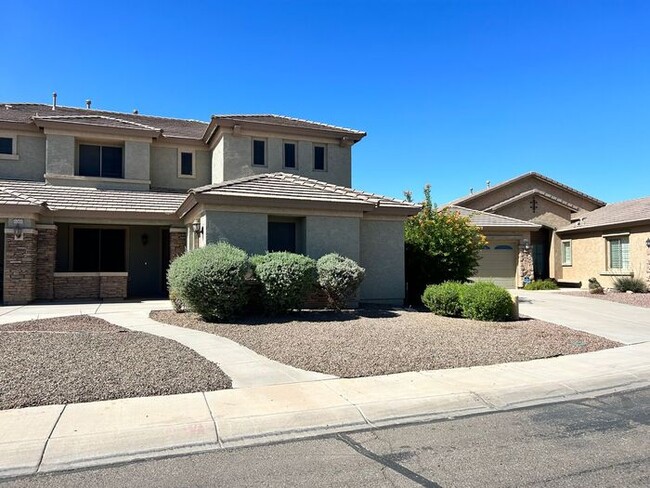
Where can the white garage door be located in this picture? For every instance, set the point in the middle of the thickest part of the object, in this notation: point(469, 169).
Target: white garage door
point(498, 264)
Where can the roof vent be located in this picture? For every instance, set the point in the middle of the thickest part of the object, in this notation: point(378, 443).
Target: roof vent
point(8, 106)
point(88, 102)
point(54, 101)
point(471, 191)
point(488, 183)
point(135, 111)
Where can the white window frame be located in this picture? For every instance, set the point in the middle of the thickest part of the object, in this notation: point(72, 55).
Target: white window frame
point(313, 157)
point(14, 149)
point(284, 160)
point(625, 239)
point(180, 166)
point(565, 261)
point(266, 152)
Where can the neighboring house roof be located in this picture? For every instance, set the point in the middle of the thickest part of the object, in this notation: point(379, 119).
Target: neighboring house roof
point(534, 174)
point(56, 198)
point(525, 194)
point(285, 187)
point(40, 113)
point(621, 213)
point(490, 220)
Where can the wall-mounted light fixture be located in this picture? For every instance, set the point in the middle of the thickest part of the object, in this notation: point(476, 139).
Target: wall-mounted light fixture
point(647, 242)
point(526, 245)
point(196, 227)
point(18, 229)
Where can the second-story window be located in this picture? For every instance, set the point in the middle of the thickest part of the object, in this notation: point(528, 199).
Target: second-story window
point(102, 161)
point(319, 158)
point(6, 145)
point(185, 164)
point(289, 154)
point(259, 152)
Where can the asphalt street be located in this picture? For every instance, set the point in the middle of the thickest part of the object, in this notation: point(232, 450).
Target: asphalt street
point(587, 443)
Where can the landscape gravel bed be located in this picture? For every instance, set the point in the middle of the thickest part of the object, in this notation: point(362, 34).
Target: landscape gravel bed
point(637, 299)
point(81, 359)
point(373, 342)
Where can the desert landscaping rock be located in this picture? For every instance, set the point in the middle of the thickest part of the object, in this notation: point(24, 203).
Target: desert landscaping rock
point(367, 343)
point(638, 299)
point(82, 359)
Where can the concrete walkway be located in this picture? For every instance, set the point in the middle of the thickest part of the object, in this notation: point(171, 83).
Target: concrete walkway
point(245, 367)
point(616, 321)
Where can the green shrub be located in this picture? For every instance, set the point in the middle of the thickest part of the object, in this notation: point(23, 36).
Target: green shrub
point(339, 277)
point(287, 279)
point(211, 281)
point(542, 285)
point(630, 283)
point(444, 299)
point(486, 301)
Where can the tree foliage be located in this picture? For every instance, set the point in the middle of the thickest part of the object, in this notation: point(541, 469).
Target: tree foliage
point(441, 245)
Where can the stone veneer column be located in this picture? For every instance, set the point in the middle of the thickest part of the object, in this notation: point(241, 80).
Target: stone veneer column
point(45, 262)
point(526, 267)
point(20, 267)
point(647, 264)
point(177, 242)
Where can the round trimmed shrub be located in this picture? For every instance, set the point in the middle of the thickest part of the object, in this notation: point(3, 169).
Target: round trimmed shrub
point(287, 279)
point(211, 281)
point(444, 299)
point(486, 301)
point(339, 277)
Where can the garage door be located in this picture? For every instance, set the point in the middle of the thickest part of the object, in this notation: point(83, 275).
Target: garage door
point(498, 264)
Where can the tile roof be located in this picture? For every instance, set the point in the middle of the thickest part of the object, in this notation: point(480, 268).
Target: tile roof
point(283, 120)
point(485, 219)
point(293, 187)
point(630, 211)
point(90, 199)
point(528, 193)
point(534, 174)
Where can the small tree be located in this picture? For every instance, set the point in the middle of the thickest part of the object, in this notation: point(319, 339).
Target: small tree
point(441, 245)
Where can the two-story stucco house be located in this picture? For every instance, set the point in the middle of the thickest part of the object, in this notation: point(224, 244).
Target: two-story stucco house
point(95, 204)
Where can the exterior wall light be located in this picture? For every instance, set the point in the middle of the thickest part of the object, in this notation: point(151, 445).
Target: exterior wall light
point(18, 229)
point(647, 242)
point(196, 227)
point(526, 245)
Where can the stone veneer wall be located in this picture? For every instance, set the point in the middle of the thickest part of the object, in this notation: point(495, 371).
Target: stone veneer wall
point(177, 243)
point(20, 268)
point(45, 262)
point(90, 285)
point(647, 265)
point(526, 268)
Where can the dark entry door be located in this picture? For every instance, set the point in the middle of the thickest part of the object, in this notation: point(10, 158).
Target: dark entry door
point(282, 236)
point(145, 262)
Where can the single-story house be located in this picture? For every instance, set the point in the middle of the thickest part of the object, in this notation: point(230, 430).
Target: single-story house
point(95, 204)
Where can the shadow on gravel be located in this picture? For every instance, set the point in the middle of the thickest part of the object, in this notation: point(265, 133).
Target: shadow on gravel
point(316, 316)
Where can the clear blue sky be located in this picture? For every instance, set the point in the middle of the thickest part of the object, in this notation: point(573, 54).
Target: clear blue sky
point(452, 93)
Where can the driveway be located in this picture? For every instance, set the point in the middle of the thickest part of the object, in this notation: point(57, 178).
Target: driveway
point(616, 321)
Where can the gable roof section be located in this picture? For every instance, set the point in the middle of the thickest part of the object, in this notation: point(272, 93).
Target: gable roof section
point(547, 196)
point(59, 198)
point(285, 187)
point(621, 213)
point(490, 220)
point(468, 198)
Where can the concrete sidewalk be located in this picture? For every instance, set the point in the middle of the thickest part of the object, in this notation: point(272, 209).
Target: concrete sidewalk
point(616, 321)
point(62, 437)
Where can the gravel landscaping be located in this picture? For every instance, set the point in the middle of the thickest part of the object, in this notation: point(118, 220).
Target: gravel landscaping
point(367, 343)
point(638, 299)
point(82, 359)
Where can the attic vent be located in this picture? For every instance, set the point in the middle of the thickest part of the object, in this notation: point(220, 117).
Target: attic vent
point(54, 95)
point(7, 106)
point(471, 191)
point(488, 183)
point(88, 102)
point(135, 111)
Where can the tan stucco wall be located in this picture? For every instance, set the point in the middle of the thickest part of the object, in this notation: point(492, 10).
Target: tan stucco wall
point(164, 169)
point(382, 255)
point(237, 159)
point(589, 250)
point(30, 164)
point(547, 213)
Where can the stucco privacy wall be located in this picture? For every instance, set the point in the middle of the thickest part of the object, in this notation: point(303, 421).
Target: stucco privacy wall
point(589, 255)
point(30, 164)
point(237, 151)
point(248, 231)
point(382, 255)
point(164, 169)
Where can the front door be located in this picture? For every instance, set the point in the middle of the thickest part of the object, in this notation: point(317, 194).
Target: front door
point(145, 262)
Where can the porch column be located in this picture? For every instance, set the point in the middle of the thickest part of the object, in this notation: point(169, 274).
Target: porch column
point(177, 242)
point(20, 266)
point(526, 267)
point(647, 265)
point(45, 261)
